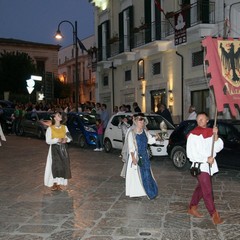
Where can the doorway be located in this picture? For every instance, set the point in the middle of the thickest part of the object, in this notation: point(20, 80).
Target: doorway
point(157, 96)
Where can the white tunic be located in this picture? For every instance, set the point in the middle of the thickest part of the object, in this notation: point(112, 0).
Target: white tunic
point(199, 149)
point(2, 136)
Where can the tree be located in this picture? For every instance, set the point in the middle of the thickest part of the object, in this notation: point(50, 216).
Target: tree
point(15, 69)
point(61, 90)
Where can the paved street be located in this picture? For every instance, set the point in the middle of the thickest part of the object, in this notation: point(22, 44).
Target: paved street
point(94, 206)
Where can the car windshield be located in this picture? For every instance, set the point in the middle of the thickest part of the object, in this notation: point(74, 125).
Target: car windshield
point(88, 119)
point(154, 123)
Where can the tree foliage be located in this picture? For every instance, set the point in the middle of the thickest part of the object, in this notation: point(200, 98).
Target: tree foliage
point(61, 90)
point(15, 69)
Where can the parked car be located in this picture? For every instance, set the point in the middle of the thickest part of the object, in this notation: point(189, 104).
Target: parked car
point(6, 104)
point(35, 123)
point(82, 127)
point(6, 119)
point(228, 131)
point(113, 135)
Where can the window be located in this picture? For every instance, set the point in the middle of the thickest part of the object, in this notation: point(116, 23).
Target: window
point(105, 81)
point(140, 67)
point(128, 76)
point(103, 36)
point(156, 68)
point(197, 58)
point(40, 66)
point(125, 26)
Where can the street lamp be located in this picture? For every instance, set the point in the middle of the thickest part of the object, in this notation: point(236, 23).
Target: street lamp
point(75, 41)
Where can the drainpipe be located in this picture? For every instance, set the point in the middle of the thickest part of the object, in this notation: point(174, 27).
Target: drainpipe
point(182, 79)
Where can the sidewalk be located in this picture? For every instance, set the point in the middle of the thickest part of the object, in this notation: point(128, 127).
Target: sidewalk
point(94, 206)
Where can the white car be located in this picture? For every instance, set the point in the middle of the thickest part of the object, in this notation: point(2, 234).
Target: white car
point(113, 134)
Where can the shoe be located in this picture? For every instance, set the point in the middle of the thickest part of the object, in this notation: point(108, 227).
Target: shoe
point(54, 187)
point(100, 149)
point(120, 156)
point(194, 212)
point(216, 218)
point(96, 150)
point(59, 188)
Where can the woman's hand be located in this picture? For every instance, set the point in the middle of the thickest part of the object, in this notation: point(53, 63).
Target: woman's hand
point(134, 160)
point(62, 140)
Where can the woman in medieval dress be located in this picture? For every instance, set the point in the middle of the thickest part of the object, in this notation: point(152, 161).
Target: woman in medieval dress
point(139, 177)
point(57, 171)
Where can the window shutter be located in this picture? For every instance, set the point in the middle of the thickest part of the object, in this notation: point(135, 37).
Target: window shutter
point(121, 36)
point(147, 13)
point(100, 47)
point(158, 22)
point(131, 27)
point(108, 37)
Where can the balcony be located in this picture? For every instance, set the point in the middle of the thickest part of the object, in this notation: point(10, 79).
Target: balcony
point(199, 18)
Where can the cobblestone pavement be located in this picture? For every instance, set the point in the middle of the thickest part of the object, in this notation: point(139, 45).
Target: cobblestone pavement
point(94, 207)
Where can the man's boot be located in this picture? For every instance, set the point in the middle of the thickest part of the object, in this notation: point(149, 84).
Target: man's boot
point(193, 211)
point(216, 218)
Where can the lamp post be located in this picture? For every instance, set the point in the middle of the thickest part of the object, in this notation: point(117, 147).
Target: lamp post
point(113, 95)
point(75, 42)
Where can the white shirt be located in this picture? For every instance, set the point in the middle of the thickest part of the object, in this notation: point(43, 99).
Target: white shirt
point(199, 149)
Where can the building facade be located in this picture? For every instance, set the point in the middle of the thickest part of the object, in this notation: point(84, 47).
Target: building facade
point(143, 58)
point(45, 57)
point(86, 70)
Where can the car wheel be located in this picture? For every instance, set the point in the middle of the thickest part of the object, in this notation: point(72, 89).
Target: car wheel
point(20, 131)
point(107, 145)
point(40, 133)
point(179, 158)
point(81, 141)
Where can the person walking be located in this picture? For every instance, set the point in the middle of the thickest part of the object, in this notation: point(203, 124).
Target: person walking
point(57, 170)
point(104, 116)
point(199, 149)
point(139, 180)
point(124, 126)
point(99, 140)
point(192, 113)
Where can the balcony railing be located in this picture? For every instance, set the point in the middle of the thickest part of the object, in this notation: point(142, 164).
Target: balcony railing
point(196, 13)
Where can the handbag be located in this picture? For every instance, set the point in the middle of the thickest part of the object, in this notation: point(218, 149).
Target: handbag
point(195, 170)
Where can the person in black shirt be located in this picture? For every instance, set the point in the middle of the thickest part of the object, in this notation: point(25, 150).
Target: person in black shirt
point(164, 112)
point(136, 108)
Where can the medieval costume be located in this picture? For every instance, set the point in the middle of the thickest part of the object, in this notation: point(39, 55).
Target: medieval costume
point(199, 148)
point(2, 136)
point(139, 177)
point(57, 171)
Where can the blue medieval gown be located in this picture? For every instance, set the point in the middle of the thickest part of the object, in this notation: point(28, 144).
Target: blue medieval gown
point(139, 179)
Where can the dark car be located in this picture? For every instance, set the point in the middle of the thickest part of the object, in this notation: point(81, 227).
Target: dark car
point(6, 119)
point(228, 131)
point(82, 127)
point(6, 104)
point(35, 123)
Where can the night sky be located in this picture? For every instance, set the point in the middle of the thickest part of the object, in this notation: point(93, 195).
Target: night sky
point(37, 20)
